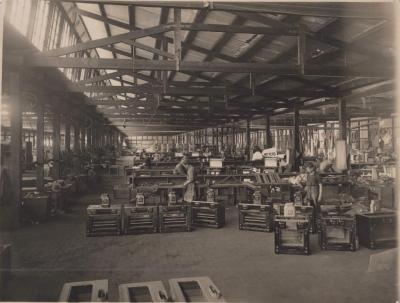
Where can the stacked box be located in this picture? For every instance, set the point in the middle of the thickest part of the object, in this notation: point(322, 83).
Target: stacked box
point(292, 235)
point(175, 218)
point(103, 220)
point(208, 214)
point(377, 229)
point(257, 217)
point(337, 232)
point(140, 219)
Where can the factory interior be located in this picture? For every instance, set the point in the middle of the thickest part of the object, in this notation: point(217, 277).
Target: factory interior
point(198, 151)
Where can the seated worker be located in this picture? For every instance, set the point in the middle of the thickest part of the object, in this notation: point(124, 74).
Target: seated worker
point(313, 187)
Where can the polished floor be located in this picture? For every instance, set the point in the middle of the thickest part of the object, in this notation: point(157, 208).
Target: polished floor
point(241, 263)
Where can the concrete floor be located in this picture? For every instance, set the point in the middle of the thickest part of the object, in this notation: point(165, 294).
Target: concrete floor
point(241, 263)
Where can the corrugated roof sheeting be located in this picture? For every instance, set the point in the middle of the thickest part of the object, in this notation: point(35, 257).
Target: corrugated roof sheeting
point(115, 30)
point(95, 28)
point(147, 16)
point(207, 40)
point(194, 56)
point(346, 30)
point(275, 48)
point(238, 42)
point(117, 12)
point(181, 77)
point(285, 85)
point(104, 53)
point(234, 77)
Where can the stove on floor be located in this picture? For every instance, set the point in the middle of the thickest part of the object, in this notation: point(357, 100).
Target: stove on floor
point(208, 214)
point(103, 220)
point(140, 219)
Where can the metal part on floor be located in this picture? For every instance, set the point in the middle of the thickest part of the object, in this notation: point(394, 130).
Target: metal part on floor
point(195, 289)
point(85, 291)
point(143, 292)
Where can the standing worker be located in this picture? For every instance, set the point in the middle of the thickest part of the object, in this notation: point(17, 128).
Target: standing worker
point(313, 187)
point(184, 168)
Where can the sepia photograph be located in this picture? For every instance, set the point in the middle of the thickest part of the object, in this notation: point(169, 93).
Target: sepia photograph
point(199, 151)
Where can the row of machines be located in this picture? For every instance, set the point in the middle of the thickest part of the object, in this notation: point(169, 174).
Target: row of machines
point(337, 227)
point(128, 218)
point(190, 289)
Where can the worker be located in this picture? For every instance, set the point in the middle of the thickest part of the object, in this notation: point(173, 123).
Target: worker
point(180, 168)
point(381, 145)
point(147, 161)
point(184, 168)
point(190, 184)
point(313, 187)
point(57, 198)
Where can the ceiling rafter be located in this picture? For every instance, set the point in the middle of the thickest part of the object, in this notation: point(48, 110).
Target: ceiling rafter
point(108, 31)
point(199, 18)
point(226, 37)
point(163, 19)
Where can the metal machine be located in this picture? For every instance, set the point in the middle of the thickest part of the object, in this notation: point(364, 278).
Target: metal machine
point(143, 292)
point(175, 218)
point(208, 214)
point(377, 229)
point(103, 220)
point(195, 289)
point(338, 232)
point(85, 291)
point(292, 235)
point(140, 219)
point(257, 217)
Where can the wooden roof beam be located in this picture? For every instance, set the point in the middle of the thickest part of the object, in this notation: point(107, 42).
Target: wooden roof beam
point(259, 67)
point(109, 40)
point(340, 10)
